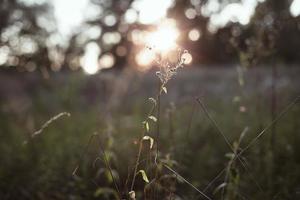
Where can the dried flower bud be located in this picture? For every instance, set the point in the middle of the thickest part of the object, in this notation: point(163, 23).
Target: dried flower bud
point(132, 195)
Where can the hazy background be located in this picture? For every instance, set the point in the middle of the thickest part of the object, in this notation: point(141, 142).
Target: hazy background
point(97, 60)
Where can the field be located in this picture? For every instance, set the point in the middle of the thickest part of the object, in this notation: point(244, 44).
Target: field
point(113, 105)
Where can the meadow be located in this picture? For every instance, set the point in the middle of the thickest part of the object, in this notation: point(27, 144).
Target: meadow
point(85, 155)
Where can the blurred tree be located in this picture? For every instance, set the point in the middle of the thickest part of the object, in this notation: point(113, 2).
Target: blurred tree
point(25, 29)
point(272, 33)
point(113, 40)
point(29, 39)
point(210, 47)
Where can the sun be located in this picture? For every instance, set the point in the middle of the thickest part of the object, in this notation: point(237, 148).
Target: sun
point(163, 39)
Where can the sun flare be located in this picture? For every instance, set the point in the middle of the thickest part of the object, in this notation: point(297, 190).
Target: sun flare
point(163, 39)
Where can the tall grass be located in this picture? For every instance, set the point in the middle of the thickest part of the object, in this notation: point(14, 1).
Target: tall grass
point(152, 172)
point(138, 162)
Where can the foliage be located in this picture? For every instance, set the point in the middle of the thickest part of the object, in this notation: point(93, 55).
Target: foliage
point(43, 168)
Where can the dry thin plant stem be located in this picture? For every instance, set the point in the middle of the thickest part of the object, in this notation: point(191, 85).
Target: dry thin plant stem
point(215, 123)
point(186, 181)
point(294, 102)
point(189, 126)
point(74, 173)
point(214, 179)
point(107, 164)
point(130, 171)
point(225, 169)
point(141, 140)
point(228, 143)
point(190, 122)
point(105, 160)
point(140, 148)
point(137, 162)
point(161, 85)
point(231, 161)
point(287, 108)
point(47, 123)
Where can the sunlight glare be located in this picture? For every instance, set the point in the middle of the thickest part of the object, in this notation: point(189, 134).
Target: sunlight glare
point(151, 12)
point(295, 8)
point(89, 61)
point(144, 59)
point(164, 38)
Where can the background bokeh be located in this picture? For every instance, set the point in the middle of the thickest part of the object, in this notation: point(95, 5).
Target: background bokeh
point(97, 60)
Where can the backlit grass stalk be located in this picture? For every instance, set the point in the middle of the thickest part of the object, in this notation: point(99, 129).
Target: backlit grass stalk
point(165, 73)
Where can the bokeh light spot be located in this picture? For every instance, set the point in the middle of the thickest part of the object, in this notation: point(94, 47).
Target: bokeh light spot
point(187, 58)
point(144, 59)
point(194, 34)
point(106, 61)
point(131, 16)
point(89, 61)
point(190, 13)
point(121, 51)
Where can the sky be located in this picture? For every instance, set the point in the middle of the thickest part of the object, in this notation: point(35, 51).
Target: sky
point(71, 14)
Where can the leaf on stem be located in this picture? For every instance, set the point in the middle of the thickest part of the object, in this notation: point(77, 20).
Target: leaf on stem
point(153, 118)
point(146, 126)
point(152, 100)
point(144, 175)
point(150, 139)
point(164, 89)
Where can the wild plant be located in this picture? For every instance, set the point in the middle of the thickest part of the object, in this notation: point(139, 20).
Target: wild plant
point(229, 189)
point(165, 73)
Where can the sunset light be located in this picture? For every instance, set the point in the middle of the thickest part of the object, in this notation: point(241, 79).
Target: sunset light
point(144, 59)
point(164, 38)
point(140, 99)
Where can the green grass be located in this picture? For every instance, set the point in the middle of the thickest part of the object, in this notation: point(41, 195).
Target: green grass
point(42, 169)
